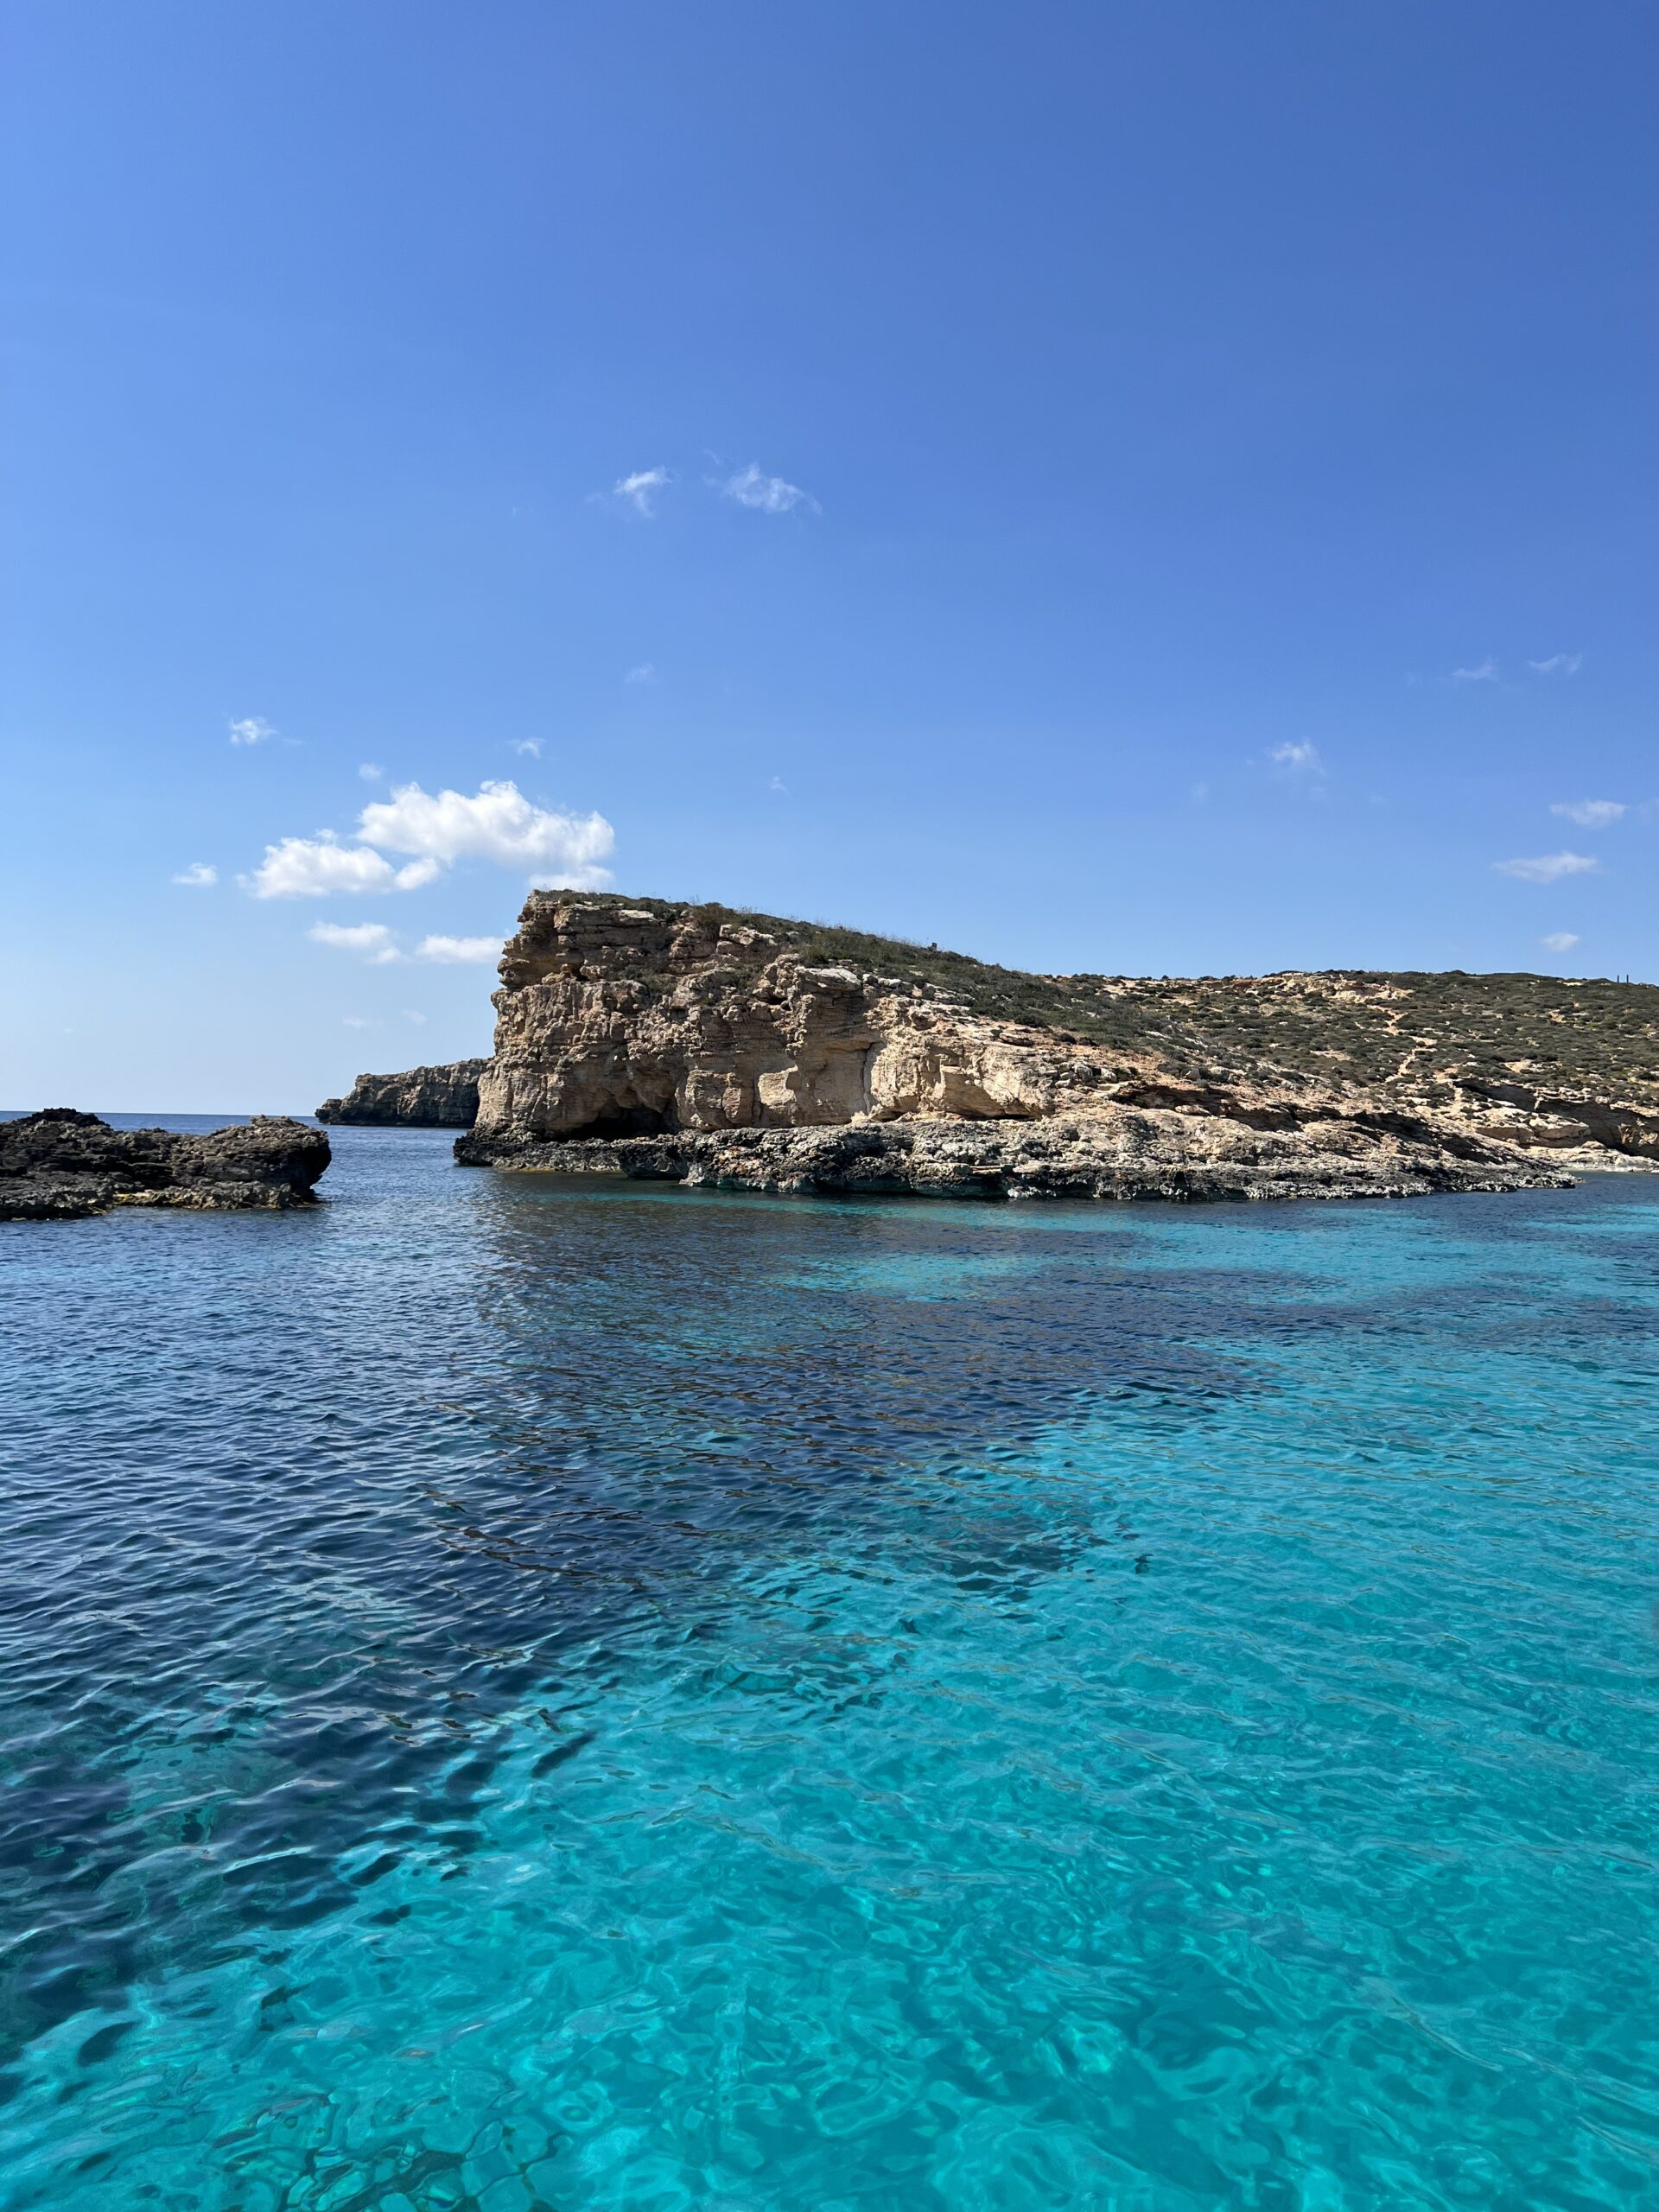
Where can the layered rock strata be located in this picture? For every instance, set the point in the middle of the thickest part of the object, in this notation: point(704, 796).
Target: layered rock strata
point(1575, 1125)
point(61, 1166)
point(442, 1097)
point(681, 1042)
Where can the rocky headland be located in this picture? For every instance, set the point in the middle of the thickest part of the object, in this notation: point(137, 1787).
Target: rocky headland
point(658, 1040)
point(62, 1166)
point(443, 1098)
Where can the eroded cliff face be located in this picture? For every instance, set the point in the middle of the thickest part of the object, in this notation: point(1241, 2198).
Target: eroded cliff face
point(440, 1098)
point(616, 1022)
point(675, 1041)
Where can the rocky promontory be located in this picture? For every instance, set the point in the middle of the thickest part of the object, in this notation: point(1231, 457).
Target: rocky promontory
point(60, 1166)
point(443, 1098)
point(658, 1040)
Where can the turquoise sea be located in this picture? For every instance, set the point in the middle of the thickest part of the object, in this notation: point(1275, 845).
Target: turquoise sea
point(521, 1695)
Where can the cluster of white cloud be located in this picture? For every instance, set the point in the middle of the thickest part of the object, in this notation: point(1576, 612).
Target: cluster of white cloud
point(459, 952)
point(311, 867)
point(496, 823)
point(379, 945)
point(1587, 813)
point(1549, 867)
point(198, 876)
point(252, 729)
point(751, 488)
point(1301, 759)
point(372, 939)
point(770, 495)
point(639, 491)
point(1485, 671)
point(1591, 813)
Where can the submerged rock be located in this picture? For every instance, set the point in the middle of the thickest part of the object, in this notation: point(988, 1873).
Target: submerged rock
point(684, 1042)
point(443, 1098)
point(60, 1166)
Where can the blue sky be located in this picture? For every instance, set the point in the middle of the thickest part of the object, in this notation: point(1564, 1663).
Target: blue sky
point(1092, 440)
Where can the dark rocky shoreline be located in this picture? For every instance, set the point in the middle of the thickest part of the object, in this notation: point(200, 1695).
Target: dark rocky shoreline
point(1160, 1156)
point(61, 1165)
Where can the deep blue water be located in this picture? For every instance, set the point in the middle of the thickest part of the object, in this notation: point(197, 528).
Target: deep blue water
point(526, 1695)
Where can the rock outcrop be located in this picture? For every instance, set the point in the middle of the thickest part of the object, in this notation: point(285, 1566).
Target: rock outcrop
point(445, 1097)
point(659, 1040)
point(1571, 1123)
point(61, 1166)
point(1127, 1155)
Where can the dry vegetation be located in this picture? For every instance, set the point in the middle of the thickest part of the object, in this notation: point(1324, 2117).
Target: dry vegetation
point(1359, 1027)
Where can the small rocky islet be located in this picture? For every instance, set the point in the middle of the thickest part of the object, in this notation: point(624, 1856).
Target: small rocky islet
point(61, 1165)
point(436, 1099)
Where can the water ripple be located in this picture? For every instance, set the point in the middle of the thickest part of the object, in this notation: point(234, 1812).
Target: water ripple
point(520, 1696)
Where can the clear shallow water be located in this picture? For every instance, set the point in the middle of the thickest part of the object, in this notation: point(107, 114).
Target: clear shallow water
point(518, 1695)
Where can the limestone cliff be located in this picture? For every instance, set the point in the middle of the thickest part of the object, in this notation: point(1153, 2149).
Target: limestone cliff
point(653, 1038)
point(442, 1097)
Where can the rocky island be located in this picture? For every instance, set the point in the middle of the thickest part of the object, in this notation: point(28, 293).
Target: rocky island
point(661, 1040)
point(443, 1098)
point(61, 1166)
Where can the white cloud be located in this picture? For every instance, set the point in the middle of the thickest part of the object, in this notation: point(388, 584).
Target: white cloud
point(770, 495)
point(372, 939)
point(197, 876)
point(460, 951)
point(1486, 673)
point(1549, 868)
point(1298, 759)
point(310, 867)
point(419, 1019)
point(1560, 940)
point(356, 1021)
point(1591, 813)
point(371, 771)
point(640, 489)
point(1559, 664)
point(532, 745)
point(497, 824)
point(777, 784)
point(644, 673)
point(252, 729)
